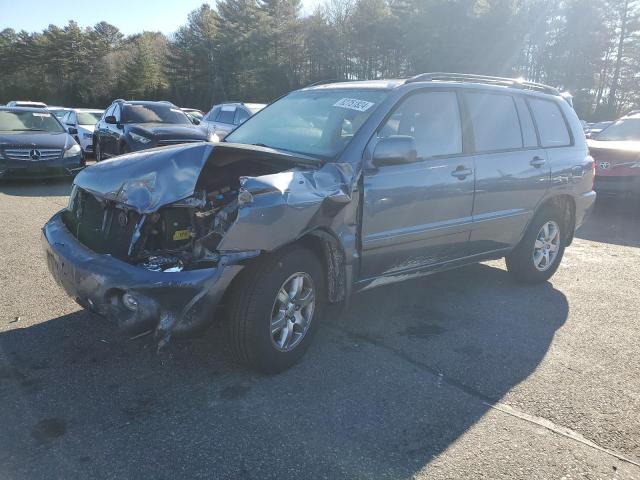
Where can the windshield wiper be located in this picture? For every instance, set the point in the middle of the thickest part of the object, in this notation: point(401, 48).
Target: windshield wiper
point(28, 130)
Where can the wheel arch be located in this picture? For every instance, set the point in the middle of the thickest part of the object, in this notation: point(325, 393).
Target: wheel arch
point(326, 246)
point(566, 204)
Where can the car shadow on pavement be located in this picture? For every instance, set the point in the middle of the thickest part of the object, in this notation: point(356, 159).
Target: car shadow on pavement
point(386, 386)
point(54, 187)
point(615, 220)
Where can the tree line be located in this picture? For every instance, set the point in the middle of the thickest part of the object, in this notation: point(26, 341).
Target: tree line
point(257, 50)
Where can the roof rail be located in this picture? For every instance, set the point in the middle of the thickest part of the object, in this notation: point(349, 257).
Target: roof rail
point(323, 82)
point(467, 77)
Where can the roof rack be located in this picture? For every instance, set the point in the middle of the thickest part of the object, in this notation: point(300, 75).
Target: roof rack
point(467, 77)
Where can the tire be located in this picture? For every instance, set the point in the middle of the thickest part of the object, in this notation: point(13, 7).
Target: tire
point(525, 263)
point(254, 304)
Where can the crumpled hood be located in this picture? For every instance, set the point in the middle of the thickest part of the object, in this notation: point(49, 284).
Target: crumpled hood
point(162, 130)
point(150, 179)
point(35, 140)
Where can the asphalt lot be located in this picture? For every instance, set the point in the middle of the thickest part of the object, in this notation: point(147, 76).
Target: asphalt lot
point(459, 375)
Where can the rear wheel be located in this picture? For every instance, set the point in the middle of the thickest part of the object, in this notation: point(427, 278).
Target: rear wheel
point(274, 310)
point(539, 253)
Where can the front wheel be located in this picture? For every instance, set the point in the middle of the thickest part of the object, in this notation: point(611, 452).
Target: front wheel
point(539, 253)
point(274, 310)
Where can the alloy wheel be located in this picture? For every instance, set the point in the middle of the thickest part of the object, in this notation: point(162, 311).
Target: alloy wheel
point(546, 246)
point(292, 311)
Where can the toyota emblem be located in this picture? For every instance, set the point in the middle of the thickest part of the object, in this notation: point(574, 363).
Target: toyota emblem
point(605, 165)
point(35, 154)
point(123, 219)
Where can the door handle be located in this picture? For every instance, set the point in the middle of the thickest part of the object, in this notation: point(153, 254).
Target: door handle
point(537, 162)
point(461, 172)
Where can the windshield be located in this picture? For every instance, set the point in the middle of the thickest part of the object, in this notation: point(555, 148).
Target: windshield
point(153, 114)
point(12, 121)
point(318, 123)
point(88, 118)
point(623, 130)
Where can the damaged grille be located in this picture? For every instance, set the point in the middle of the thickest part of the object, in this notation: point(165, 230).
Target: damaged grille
point(101, 226)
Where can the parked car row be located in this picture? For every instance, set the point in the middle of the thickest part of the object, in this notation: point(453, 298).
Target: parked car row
point(125, 126)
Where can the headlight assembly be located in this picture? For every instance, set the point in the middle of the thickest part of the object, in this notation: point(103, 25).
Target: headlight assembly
point(72, 151)
point(139, 138)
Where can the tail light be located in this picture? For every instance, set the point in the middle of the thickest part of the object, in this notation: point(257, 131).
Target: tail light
point(593, 173)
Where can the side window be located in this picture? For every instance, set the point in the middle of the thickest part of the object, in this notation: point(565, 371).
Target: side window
point(551, 125)
point(72, 118)
point(65, 118)
point(227, 112)
point(526, 122)
point(432, 119)
point(241, 116)
point(495, 121)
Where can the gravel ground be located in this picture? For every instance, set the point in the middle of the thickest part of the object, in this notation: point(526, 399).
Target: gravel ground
point(462, 375)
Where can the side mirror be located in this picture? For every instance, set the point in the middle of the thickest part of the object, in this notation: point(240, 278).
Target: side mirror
point(395, 150)
point(72, 130)
point(111, 120)
point(195, 121)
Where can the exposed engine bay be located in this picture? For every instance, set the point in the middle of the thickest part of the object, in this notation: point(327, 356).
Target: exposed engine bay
point(182, 235)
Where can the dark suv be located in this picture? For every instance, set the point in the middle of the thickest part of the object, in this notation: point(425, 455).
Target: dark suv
point(328, 191)
point(130, 126)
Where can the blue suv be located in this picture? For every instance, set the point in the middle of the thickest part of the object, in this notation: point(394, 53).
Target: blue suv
point(330, 190)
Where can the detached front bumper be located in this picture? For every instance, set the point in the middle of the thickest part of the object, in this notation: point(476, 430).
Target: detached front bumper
point(177, 303)
point(58, 167)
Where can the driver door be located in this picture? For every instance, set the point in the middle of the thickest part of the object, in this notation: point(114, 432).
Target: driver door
point(418, 215)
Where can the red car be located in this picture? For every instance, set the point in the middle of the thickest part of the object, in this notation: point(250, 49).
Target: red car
point(616, 151)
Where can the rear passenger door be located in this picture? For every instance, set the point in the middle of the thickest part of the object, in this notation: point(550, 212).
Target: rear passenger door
point(418, 215)
point(512, 170)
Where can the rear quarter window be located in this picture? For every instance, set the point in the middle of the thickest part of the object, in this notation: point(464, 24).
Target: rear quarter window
point(551, 124)
point(495, 121)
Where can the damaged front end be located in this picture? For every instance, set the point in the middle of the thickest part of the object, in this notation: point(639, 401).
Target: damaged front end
point(152, 240)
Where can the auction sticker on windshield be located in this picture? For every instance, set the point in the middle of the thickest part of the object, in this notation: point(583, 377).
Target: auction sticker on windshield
point(354, 104)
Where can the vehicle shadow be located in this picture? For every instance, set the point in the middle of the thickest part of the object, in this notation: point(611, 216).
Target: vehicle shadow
point(387, 385)
point(54, 187)
point(615, 220)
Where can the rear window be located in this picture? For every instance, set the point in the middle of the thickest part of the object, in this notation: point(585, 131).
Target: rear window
point(495, 122)
point(226, 115)
point(551, 125)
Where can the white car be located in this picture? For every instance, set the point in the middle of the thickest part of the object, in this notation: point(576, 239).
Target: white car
point(80, 123)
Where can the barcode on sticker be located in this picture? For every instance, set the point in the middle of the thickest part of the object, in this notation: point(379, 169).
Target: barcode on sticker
point(354, 104)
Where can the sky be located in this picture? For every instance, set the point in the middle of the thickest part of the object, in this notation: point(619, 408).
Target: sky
point(130, 16)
